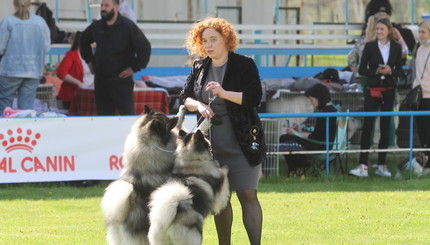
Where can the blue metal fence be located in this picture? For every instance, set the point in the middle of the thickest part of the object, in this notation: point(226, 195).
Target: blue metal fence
point(327, 115)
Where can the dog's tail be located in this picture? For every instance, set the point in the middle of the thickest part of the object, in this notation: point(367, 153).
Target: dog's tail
point(222, 196)
point(172, 217)
point(115, 201)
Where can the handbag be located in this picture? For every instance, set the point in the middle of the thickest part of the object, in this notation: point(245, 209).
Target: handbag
point(412, 100)
point(377, 92)
point(251, 136)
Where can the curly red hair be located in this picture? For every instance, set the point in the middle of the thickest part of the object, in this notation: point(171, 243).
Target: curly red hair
point(194, 41)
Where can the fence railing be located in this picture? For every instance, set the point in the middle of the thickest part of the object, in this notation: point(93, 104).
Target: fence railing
point(327, 115)
point(264, 42)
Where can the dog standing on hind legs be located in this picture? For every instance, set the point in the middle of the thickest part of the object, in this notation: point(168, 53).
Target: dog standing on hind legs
point(148, 162)
point(198, 187)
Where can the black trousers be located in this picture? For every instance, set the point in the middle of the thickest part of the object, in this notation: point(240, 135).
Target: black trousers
point(114, 95)
point(385, 103)
point(296, 161)
point(423, 125)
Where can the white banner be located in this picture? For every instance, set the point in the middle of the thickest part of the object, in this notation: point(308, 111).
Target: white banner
point(62, 149)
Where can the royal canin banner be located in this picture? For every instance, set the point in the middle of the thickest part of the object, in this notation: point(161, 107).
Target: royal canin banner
point(64, 148)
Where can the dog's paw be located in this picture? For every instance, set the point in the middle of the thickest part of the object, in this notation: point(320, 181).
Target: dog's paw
point(224, 170)
point(182, 111)
point(181, 116)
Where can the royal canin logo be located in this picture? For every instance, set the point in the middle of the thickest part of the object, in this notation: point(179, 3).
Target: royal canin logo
point(19, 140)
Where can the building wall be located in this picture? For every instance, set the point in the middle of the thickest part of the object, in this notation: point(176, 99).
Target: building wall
point(254, 11)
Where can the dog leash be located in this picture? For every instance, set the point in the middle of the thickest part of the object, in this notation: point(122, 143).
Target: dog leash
point(209, 104)
point(200, 119)
point(161, 149)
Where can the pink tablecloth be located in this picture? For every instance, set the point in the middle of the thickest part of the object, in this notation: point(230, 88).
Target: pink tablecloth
point(84, 103)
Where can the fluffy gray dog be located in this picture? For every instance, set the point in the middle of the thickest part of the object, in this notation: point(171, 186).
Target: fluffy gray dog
point(199, 186)
point(148, 162)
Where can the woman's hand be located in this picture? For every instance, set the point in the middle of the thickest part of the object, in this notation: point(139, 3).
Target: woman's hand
point(291, 131)
point(216, 89)
point(297, 127)
point(384, 70)
point(205, 110)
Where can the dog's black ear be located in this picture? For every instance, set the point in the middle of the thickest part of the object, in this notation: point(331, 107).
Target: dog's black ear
point(200, 144)
point(148, 110)
point(173, 121)
point(199, 135)
point(182, 134)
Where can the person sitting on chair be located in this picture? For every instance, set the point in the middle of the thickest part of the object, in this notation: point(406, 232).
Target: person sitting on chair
point(297, 140)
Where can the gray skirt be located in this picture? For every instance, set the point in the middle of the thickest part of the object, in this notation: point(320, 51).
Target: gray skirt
point(241, 175)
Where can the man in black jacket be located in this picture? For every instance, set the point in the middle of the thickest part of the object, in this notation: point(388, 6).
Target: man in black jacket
point(121, 50)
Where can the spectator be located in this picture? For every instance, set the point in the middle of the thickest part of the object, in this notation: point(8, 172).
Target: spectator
point(422, 67)
point(295, 139)
point(375, 6)
point(121, 50)
point(381, 63)
point(74, 72)
point(24, 42)
point(226, 86)
point(368, 36)
point(126, 11)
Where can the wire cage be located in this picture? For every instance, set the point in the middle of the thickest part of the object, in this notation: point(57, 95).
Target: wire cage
point(272, 130)
point(46, 93)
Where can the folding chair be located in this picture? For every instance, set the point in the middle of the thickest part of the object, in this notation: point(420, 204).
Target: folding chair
point(340, 145)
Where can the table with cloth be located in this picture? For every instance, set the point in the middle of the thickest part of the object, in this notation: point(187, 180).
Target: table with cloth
point(83, 103)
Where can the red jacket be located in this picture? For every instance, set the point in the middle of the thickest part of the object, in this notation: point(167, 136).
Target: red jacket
point(72, 65)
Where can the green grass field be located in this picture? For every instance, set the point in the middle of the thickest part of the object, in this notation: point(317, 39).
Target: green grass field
point(338, 210)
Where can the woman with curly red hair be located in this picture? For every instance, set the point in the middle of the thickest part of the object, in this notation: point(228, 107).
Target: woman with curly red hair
point(226, 87)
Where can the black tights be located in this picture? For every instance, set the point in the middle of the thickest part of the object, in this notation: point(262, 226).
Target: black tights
point(252, 217)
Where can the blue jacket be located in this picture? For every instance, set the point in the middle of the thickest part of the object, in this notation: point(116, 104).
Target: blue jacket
point(23, 46)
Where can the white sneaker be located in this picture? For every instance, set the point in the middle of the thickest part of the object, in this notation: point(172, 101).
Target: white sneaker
point(383, 171)
point(360, 171)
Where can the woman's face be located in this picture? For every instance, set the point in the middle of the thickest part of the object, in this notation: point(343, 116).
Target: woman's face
point(382, 32)
point(424, 34)
point(214, 43)
point(314, 101)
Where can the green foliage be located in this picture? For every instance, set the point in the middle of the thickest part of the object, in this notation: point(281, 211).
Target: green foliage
point(338, 210)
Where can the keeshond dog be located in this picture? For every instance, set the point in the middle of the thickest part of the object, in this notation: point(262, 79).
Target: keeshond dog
point(148, 160)
point(198, 187)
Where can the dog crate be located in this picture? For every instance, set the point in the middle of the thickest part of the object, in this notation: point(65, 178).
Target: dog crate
point(272, 130)
point(46, 93)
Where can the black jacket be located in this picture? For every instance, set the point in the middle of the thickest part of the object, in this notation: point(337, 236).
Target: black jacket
point(370, 60)
point(118, 46)
point(319, 132)
point(241, 76)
